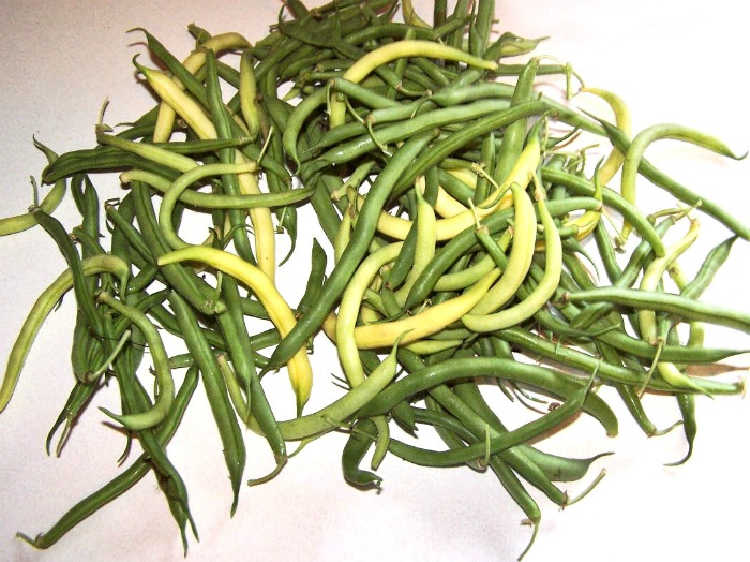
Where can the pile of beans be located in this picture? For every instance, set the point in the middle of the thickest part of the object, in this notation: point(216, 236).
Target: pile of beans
point(469, 249)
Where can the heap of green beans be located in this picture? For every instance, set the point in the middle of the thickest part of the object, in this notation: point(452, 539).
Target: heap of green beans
point(462, 253)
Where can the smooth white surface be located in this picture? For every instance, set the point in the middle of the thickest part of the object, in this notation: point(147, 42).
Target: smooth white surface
point(671, 61)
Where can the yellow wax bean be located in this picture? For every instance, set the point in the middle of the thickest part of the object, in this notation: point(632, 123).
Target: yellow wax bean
point(300, 372)
point(543, 291)
point(425, 323)
point(524, 238)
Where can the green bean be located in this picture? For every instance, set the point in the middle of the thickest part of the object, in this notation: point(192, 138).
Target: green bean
point(582, 186)
point(360, 438)
point(649, 171)
point(686, 403)
point(629, 394)
point(104, 159)
point(405, 259)
point(714, 260)
point(666, 302)
point(154, 416)
point(435, 73)
point(336, 412)
point(386, 53)
point(504, 473)
point(321, 203)
point(679, 354)
point(242, 351)
point(135, 400)
point(515, 133)
point(201, 200)
point(606, 370)
point(641, 141)
point(449, 429)
point(626, 279)
point(498, 443)
point(82, 290)
point(462, 137)
point(545, 379)
point(607, 252)
point(400, 112)
point(318, 261)
point(128, 231)
point(393, 133)
point(515, 458)
point(455, 187)
point(231, 437)
point(247, 93)
point(42, 307)
point(125, 480)
point(361, 237)
point(197, 292)
point(150, 152)
point(19, 223)
point(168, 321)
point(363, 95)
point(74, 406)
point(303, 110)
point(181, 184)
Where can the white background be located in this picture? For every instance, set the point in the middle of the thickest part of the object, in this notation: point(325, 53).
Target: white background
point(671, 61)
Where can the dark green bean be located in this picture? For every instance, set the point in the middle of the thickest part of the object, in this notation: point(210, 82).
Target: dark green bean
point(607, 252)
point(84, 297)
point(124, 481)
point(498, 443)
point(686, 403)
point(361, 437)
point(196, 291)
point(515, 133)
point(218, 399)
point(318, 261)
point(714, 260)
point(79, 398)
point(101, 159)
point(546, 379)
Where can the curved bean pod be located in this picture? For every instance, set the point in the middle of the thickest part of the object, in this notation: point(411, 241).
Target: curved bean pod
point(427, 322)
point(396, 50)
point(524, 238)
point(641, 141)
point(164, 399)
point(42, 307)
point(562, 386)
point(179, 186)
point(332, 415)
point(201, 200)
point(543, 291)
point(300, 372)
